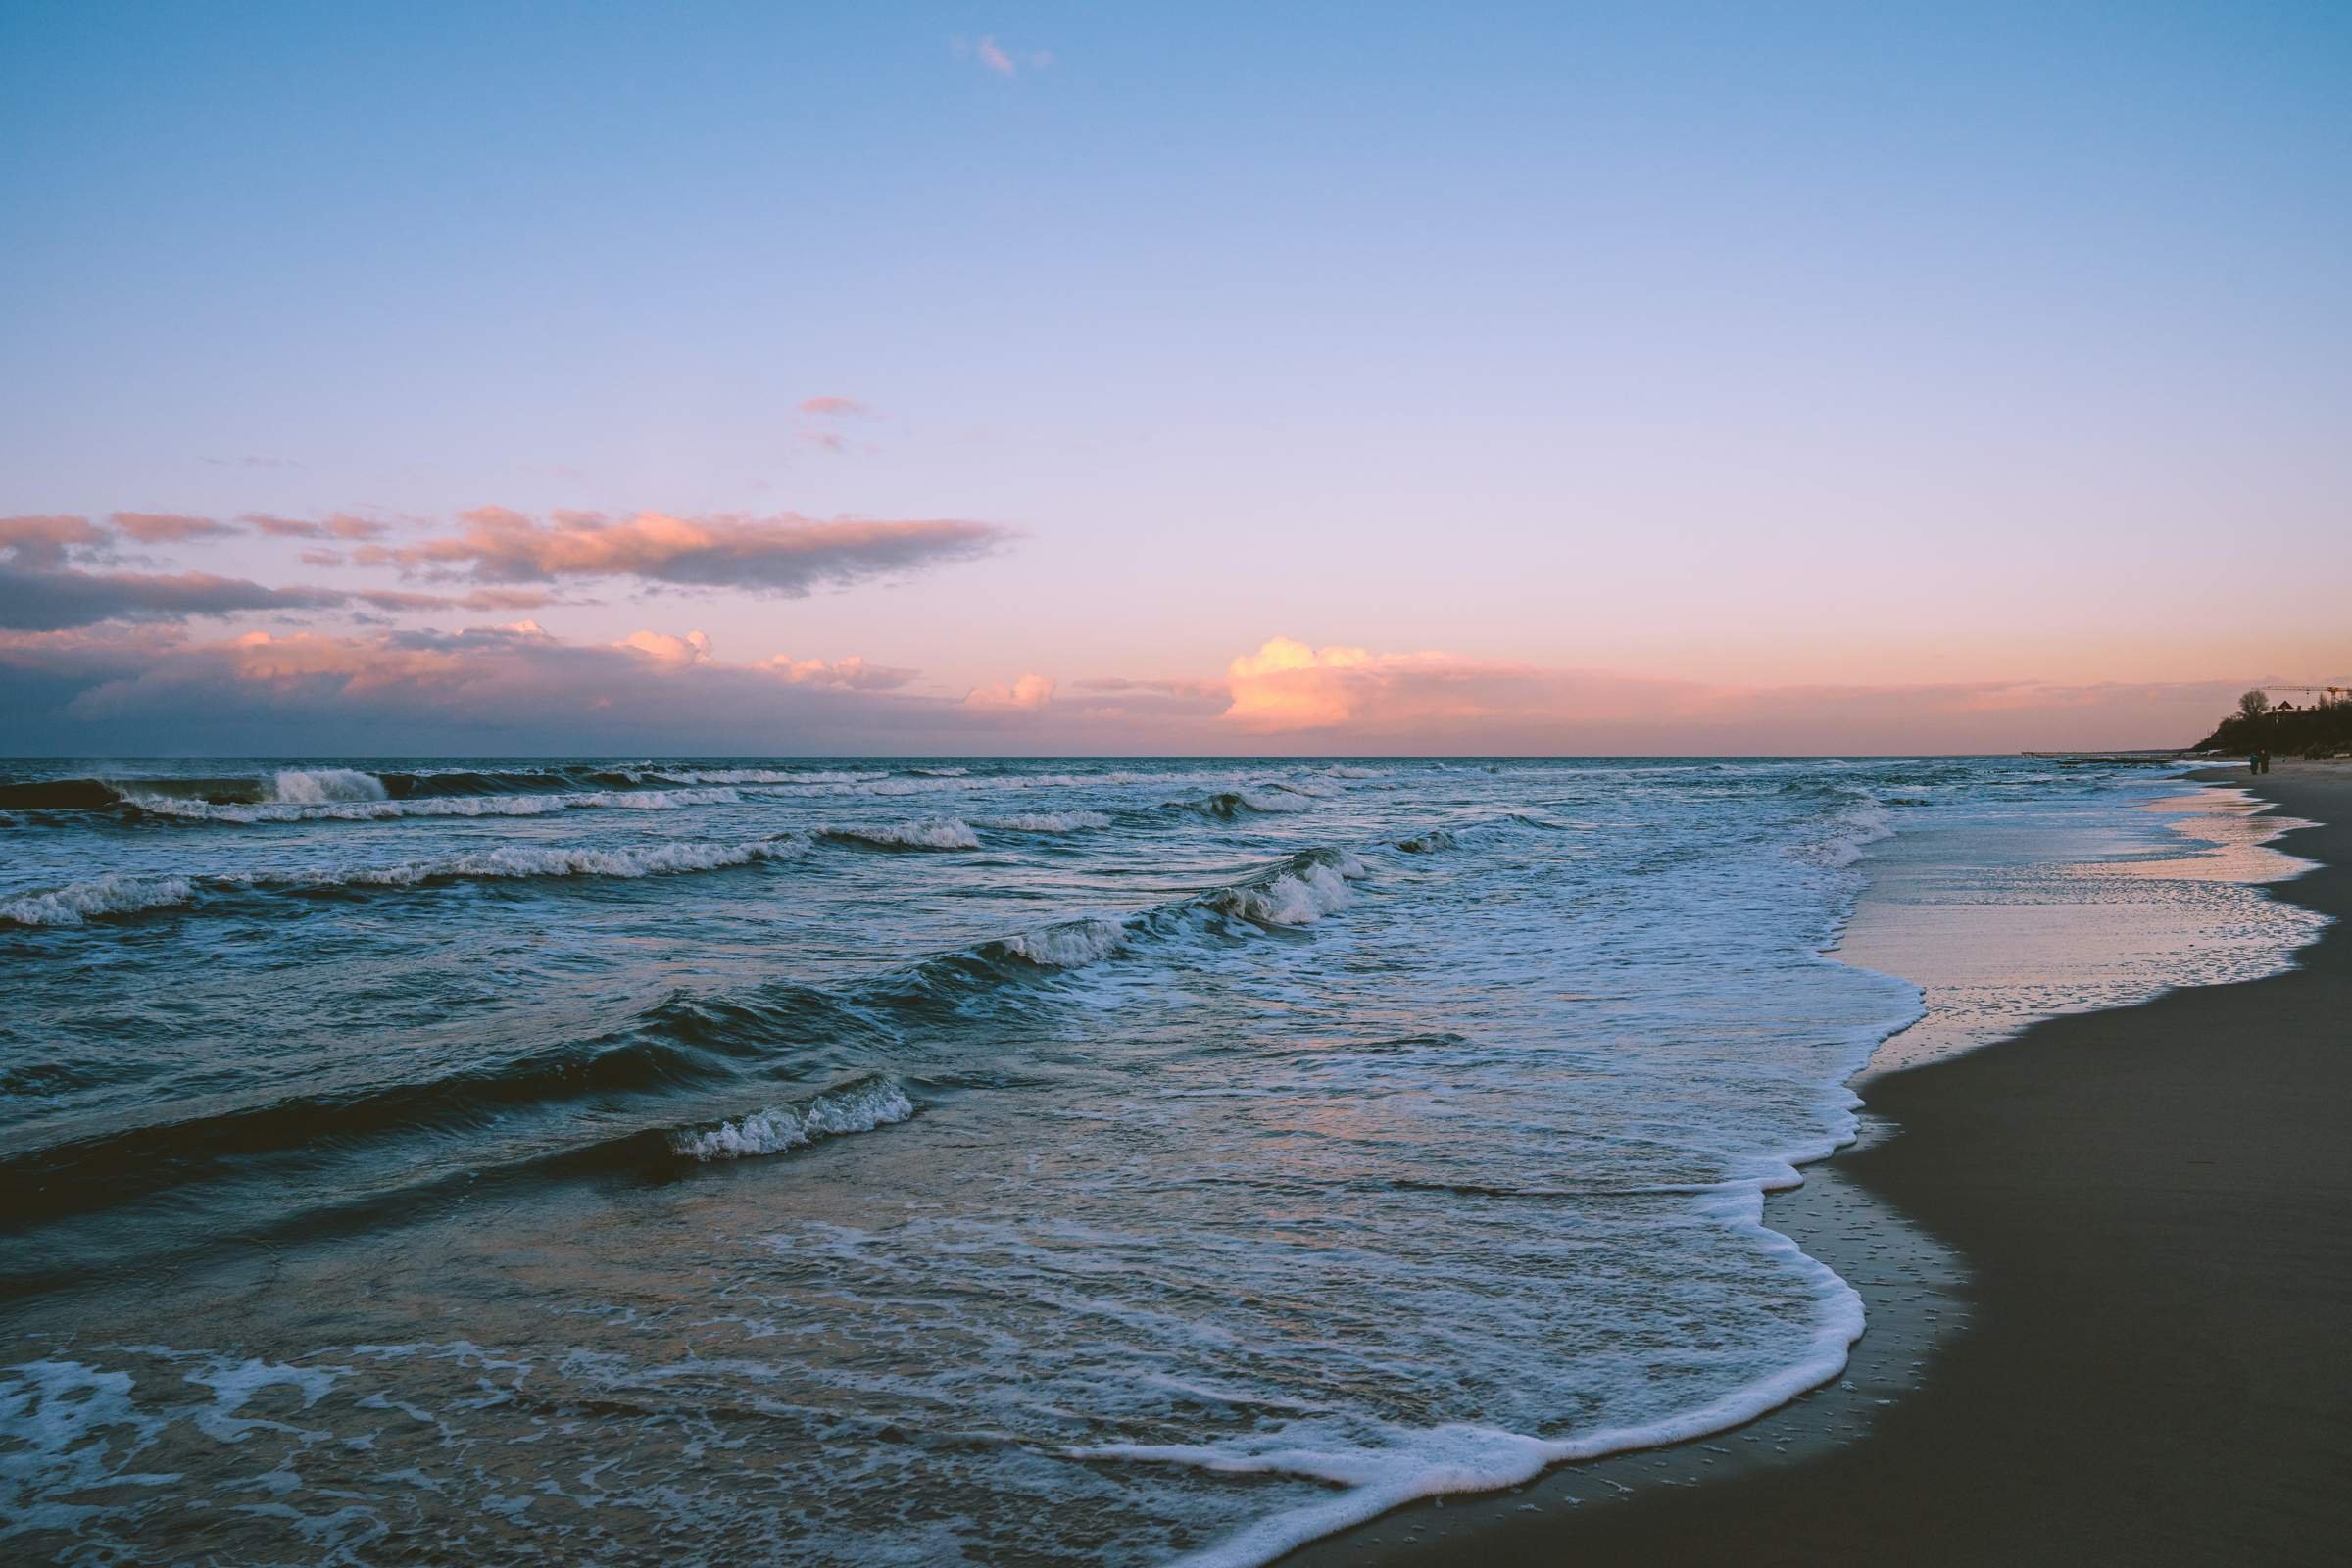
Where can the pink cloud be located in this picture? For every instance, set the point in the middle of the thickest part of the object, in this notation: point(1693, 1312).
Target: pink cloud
point(833, 407)
point(692, 649)
point(341, 525)
point(1004, 61)
point(166, 528)
point(42, 541)
point(852, 673)
point(1028, 692)
point(785, 553)
point(479, 599)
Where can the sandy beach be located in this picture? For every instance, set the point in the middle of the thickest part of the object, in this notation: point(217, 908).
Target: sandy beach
point(2108, 1325)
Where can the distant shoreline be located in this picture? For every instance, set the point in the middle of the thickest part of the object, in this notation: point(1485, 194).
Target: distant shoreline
point(2106, 1326)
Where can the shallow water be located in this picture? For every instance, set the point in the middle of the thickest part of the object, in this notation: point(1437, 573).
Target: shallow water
point(885, 1161)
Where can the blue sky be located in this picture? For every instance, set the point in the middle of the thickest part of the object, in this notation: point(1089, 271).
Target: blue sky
point(1813, 346)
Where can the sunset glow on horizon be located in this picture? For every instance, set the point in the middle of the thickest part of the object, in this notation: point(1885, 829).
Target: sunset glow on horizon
point(1057, 383)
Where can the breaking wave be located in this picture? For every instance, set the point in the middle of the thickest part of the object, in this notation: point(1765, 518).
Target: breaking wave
point(857, 1107)
point(1230, 804)
point(1304, 890)
point(363, 809)
point(311, 786)
point(941, 833)
point(1070, 945)
point(110, 894)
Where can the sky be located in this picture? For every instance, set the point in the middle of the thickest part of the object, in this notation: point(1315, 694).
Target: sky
point(1020, 379)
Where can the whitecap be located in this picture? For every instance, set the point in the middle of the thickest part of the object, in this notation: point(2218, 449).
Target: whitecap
point(112, 893)
point(855, 1107)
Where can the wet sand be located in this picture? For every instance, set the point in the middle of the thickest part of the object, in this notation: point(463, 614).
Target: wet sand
point(2112, 1324)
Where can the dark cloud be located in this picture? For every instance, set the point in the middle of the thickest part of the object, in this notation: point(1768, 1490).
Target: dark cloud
point(49, 600)
point(502, 688)
point(41, 542)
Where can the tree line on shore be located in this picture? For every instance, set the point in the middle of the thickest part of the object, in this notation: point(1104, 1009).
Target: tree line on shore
point(2322, 730)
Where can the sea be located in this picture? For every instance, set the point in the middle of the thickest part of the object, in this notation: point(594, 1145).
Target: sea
point(946, 1161)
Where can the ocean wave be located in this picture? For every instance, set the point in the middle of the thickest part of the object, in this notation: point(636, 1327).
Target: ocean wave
point(1308, 887)
point(756, 776)
point(379, 808)
point(1229, 804)
point(941, 833)
point(1044, 821)
point(857, 1107)
point(112, 893)
point(1429, 842)
point(521, 860)
point(1851, 835)
point(313, 785)
point(115, 894)
point(1069, 945)
point(634, 1074)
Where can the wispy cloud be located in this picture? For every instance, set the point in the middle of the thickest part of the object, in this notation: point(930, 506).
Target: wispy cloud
point(251, 461)
point(341, 525)
point(786, 554)
point(1007, 62)
point(833, 407)
point(168, 528)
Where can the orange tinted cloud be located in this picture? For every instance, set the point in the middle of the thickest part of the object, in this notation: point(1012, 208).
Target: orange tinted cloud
point(166, 528)
point(1029, 692)
point(784, 554)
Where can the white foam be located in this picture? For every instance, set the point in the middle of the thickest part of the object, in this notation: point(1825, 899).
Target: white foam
point(762, 775)
point(1070, 945)
point(941, 833)
point(1855, 832)
point(1046, 821)
point(1277, 798)
point(377, 810)
point(311, 786)
point(1460, 1457)
point(112, 893)
point(1300, 896)
point(855, 1109)
point(535, 860)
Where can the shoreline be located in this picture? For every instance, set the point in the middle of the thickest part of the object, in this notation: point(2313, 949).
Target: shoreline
point(2104, 1263)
